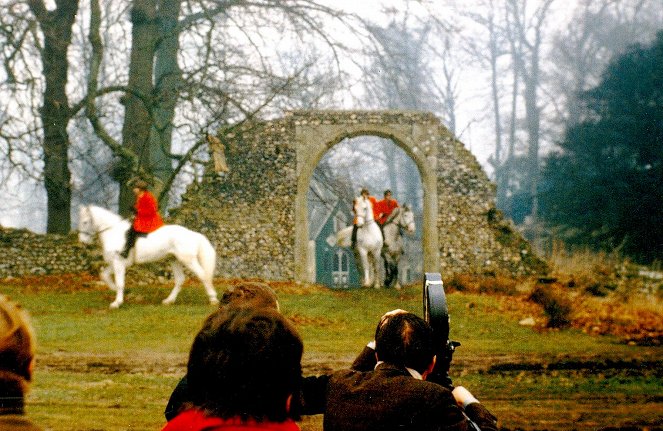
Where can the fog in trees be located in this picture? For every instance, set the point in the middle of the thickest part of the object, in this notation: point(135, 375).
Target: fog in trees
point(94, 93)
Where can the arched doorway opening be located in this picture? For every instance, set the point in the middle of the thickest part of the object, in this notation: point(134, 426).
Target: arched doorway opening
point(353, 163)
point(313, 141)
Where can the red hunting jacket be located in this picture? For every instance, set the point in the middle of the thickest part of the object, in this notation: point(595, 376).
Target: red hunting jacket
point(147, 214)
point(383, 209)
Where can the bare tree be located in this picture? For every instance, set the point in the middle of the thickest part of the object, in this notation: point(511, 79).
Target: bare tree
point(598, 32)
point(193, 66)
point(55, 114)
point(487, 51)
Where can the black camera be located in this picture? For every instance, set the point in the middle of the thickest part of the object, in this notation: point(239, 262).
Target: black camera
point(436, 313)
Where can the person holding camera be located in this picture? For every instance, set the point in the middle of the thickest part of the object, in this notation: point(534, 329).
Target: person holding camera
point(396, 394)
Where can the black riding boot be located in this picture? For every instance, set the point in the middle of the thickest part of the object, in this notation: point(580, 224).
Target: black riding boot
point(354, 235)
point(130, 242)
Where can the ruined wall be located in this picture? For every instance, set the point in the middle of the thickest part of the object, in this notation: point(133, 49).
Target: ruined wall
point(26, 253)
point(474, 236)
point(255, 215)
point(249, 216)
point(247, 213)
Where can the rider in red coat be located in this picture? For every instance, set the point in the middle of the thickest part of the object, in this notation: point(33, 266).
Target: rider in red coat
point(147, 217)
point(384, 208)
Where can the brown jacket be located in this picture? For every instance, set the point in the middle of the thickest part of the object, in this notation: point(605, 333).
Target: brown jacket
point(390, 399)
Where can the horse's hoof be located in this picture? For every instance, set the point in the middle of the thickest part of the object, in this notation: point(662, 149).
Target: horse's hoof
point(115, 305)
point(167, 301)
point(214, 301)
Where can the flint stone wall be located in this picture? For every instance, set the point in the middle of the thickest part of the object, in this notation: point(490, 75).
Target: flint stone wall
point(255, 215)
point(26, 253)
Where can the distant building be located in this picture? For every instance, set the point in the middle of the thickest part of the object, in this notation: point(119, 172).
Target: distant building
point(332, 266)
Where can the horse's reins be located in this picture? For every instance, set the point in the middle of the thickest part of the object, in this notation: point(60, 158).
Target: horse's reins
point(94, 233)
point(397, 215)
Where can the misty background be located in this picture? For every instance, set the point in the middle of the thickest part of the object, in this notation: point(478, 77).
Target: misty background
point(561, 102)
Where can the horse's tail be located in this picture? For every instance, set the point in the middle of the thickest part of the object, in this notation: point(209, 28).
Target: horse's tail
point(342, 238)
point(207, 257)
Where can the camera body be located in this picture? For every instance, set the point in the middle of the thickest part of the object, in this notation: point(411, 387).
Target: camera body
point(436, 313)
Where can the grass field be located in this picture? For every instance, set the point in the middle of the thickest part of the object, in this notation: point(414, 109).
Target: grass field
point(99, 369)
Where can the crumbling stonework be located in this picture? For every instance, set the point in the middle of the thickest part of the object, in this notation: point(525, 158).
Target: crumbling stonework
point(255, 215)
point(26, 253)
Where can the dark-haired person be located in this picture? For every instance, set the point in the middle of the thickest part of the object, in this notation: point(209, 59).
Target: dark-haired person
point(147, 218)
point(244, 368)
point(246, 294)
point(17, 351)
point(395, 395)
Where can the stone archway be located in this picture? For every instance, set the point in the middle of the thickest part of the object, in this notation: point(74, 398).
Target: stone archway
point(313, 138)
point(256, 215)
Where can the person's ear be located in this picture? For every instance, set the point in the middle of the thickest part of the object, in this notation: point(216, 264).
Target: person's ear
point(429, 369)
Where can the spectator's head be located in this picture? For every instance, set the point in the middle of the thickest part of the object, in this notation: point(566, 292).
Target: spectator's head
point(250, 294)
point(405, 340)
point(17, 344)
point(387, 194)
point(364, 192)
point(245, 362)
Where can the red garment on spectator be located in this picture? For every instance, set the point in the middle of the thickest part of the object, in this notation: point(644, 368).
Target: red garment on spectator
point(147, 214)
point(383, 209)
point(195, 420)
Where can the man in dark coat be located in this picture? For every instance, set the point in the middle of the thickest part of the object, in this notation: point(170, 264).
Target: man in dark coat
point(396, 396)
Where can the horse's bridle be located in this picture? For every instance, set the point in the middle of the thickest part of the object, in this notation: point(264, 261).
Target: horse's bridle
point(398, 215)
point(94, 232)
point(366, 221)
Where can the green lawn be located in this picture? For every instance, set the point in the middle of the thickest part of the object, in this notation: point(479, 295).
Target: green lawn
point(99, 369)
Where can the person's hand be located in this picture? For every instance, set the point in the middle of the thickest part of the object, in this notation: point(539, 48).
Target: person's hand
point(463, 397)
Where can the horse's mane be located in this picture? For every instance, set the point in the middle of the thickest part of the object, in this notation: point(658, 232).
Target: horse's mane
point(114, 218)
point(394, 215)
point(366, 206)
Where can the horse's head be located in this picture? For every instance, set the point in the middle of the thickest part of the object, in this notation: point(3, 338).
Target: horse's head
point(86, 228)
point(363, 209)
point(407, 219)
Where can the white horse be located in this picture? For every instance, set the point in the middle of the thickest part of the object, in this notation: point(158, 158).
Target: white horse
point(402, 218)
point(190, 249)
point(369, 242)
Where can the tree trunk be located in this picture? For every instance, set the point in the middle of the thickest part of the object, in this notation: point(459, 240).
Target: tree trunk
point(168, 79)
point(56, 27)
point(138, 120)
point(533, 116)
